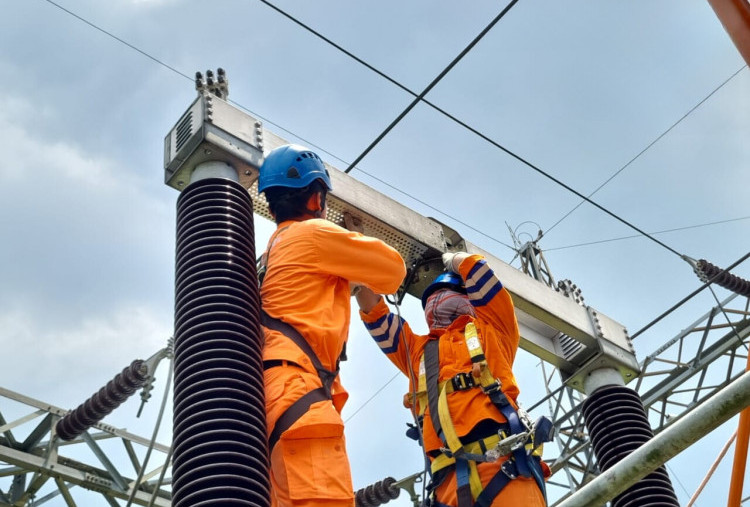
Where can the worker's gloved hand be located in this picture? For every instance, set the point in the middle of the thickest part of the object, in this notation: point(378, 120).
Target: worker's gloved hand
point(452, 260)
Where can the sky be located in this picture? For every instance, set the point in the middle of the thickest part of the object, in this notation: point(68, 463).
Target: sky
point(653, 95)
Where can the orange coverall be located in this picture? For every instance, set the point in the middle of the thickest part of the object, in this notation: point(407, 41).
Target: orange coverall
point(310, 265)
point(497, 329)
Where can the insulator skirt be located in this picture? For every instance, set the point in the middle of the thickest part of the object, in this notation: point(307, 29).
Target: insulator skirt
point(104, 401)
point(377, 494)
point(708, 271)
point(219, 444)
point(618, 425)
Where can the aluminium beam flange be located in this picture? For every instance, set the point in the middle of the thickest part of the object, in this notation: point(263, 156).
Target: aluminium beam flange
point(553, 327)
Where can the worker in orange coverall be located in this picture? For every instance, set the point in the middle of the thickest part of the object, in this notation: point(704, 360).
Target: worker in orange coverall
point(308, 271)
point(467, 359)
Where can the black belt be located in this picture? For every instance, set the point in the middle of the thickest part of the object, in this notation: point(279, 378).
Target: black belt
point(273, 363)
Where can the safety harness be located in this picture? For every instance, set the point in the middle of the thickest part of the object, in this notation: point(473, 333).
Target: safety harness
point(519, 438)
point(302, 405)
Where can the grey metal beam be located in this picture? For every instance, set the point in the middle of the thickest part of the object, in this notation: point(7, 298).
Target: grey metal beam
point(41, 458)
point(108, 431)
point(554, 327)
point(72, 475)
point(102, 456)
point(36, 436)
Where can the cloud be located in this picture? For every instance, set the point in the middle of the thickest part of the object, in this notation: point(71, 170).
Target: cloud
point(80, 229)
point(65, 360)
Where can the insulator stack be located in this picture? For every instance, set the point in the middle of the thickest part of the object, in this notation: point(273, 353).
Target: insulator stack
point(706, 271)
point(219, 442)
point(617, 425)
point(104, 401)
point(377, 494)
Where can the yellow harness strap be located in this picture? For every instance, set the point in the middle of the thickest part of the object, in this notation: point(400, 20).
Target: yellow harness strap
point(418, 400)
point(478, 447)
point(481, 373)
point(454, 443)
point(479, 369)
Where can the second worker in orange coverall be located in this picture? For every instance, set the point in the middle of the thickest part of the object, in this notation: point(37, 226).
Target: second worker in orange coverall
point(470, 411)
point(310, 266)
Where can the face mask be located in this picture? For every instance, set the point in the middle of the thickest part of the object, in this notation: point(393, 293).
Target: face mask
point(445, 306)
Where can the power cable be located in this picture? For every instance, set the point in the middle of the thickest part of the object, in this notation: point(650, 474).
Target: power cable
point(435, 209)
point(689, 296)
point(434, 82)
point(266, 120)
point(371, 397)
point(420, 97)
point(652, 233)
point(658, 138)
point(92, 25)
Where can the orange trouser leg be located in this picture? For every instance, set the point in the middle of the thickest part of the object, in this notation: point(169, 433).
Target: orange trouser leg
point(311, 472)
point(521, 491)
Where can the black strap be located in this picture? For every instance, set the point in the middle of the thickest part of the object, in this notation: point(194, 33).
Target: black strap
point(294, 412)
point(432, 372)
point(510, 468)
point(302, 405)
point(507, 473)
point(326, 376)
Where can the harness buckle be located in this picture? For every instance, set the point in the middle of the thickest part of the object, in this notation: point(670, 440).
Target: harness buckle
point(447, 452)
point(492, 388)
point(463, 381)
point(509, 468)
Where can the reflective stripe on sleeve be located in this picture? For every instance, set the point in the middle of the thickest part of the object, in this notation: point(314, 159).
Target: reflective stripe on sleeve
point(481, 284)
point(385, 331)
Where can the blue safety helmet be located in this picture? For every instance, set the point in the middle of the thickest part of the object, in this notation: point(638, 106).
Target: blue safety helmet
point(446, 280)
point(292, 166)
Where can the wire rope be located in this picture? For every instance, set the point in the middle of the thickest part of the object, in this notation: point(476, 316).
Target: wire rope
point(418, 98)
point(676, 229)
point(155, 433)
point(688, 297)
point(368, 400)
point(432, 84)
point(658, 138)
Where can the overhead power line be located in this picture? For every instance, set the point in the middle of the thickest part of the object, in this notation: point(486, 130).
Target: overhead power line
point(689, 296)
point(434, 82)
point(644, 150)
point(266, 120)
point(420, 97)
point(92, 25)
point(652, 233)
